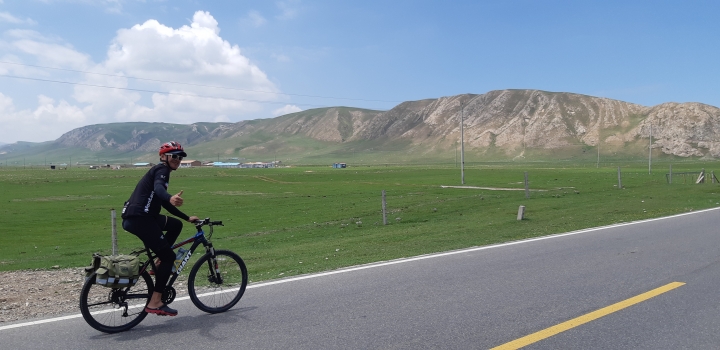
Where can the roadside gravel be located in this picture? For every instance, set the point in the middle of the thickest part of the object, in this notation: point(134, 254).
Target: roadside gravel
point(39, 293)
point(32, 294)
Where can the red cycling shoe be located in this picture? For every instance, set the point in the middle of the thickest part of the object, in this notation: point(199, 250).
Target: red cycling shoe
point(161, 311)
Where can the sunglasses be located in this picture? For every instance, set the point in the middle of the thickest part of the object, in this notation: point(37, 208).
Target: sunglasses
point(175, 156)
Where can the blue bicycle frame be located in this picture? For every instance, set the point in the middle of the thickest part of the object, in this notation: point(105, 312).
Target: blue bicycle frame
point(196, 240)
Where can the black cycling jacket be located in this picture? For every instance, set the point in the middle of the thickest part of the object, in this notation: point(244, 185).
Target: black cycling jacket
point(151, 193)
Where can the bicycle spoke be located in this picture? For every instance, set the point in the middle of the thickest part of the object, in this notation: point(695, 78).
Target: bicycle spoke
point(217, 286)
point(112, 310)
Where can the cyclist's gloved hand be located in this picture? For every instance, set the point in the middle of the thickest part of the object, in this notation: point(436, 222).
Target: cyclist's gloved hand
point(193, 219)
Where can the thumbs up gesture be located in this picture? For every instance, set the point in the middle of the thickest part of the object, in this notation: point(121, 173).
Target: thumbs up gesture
point(177, 200)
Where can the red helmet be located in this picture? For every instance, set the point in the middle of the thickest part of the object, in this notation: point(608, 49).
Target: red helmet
point(172, 147)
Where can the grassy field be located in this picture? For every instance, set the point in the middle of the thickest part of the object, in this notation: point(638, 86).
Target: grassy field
point(290, 221)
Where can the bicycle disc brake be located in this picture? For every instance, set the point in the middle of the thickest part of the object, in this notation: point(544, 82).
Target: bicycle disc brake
point(214, 277)
point(168, 295)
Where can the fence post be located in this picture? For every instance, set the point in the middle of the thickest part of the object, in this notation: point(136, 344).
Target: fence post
point(521, 213)
point(670, 173)
point(114, 232)
point(384, 212)
point(619, 179)
point(527, 186)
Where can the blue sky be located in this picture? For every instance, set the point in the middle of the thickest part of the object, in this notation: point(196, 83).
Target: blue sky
point(260, 59)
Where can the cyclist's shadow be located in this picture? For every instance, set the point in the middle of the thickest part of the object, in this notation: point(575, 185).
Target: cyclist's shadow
point(203, 322)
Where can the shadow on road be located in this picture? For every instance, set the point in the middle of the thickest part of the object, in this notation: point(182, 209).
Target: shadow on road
point(204, 323)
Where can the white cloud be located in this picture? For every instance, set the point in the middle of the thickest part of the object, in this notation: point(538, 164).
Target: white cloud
point(280, 57)
point(288, 9)
point(44, 50)
point(194, 54)
point(61, 112)
point(7, 17)
point(47, 118)
point(254, 19)
point(111, 6)
point(53, 55)
point(287, 109)
point(6, 104)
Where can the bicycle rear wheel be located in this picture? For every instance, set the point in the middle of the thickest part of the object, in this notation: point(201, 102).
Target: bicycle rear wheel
point(115, 310)
point(218, 292)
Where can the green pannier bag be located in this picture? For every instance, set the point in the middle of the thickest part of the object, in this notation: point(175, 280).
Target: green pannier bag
point(114, 271)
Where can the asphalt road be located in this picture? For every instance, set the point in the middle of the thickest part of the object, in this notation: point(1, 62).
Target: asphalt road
point(472, 299)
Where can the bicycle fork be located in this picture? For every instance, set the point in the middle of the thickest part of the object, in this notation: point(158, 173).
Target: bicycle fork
point(215, 275)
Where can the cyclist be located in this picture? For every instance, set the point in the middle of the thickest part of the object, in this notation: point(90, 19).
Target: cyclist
point(141, 217)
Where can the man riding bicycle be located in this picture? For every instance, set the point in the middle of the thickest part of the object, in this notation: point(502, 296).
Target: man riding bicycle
point(141, 217)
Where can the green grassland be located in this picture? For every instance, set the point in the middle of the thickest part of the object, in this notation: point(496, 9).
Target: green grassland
point(289, 221)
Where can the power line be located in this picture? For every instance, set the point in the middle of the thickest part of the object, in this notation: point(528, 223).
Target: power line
point(199, 85)
point(158, 92)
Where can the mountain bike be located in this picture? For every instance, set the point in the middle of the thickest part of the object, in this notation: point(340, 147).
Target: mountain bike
point(216, 283)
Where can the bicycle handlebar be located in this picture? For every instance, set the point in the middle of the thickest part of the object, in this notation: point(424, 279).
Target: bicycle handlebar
point(206, 221)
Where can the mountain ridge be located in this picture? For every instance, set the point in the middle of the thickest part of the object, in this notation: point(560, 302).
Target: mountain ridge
point(500, 124)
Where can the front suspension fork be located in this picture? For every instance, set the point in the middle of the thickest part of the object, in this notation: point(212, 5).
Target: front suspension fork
point(213, 265)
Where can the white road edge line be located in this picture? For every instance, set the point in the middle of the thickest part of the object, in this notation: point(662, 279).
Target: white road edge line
point(393, 262)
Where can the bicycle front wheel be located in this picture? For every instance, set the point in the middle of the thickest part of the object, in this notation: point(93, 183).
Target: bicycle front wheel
point(219, 291)
point(115, 310)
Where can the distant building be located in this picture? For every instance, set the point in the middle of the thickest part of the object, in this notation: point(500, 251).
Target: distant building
point(226, 165)
point(339, 165)
point(257, 165)
point(190, 163)
point(140, 165)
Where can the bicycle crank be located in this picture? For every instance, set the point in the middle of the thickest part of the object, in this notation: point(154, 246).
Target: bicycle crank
point(169, 295)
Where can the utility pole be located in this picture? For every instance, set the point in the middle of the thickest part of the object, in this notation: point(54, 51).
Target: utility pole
point(598, 147)
point(650, 152)
point(462, 143)
point(524, 125)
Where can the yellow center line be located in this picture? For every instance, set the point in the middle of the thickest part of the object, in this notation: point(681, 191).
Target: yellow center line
point(549, 332)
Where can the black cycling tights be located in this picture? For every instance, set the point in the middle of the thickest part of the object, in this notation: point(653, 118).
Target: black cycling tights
point(150, 230)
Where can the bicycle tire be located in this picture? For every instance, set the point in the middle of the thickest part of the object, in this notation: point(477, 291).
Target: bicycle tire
point(100, 306)
point(209, 295)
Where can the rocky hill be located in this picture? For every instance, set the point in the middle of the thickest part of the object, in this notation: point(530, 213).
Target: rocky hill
point(513, 121)
point(509, 123)
point(144, 137)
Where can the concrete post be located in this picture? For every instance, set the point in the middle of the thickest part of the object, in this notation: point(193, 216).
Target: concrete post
point(114, 232)
point(384, 206)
